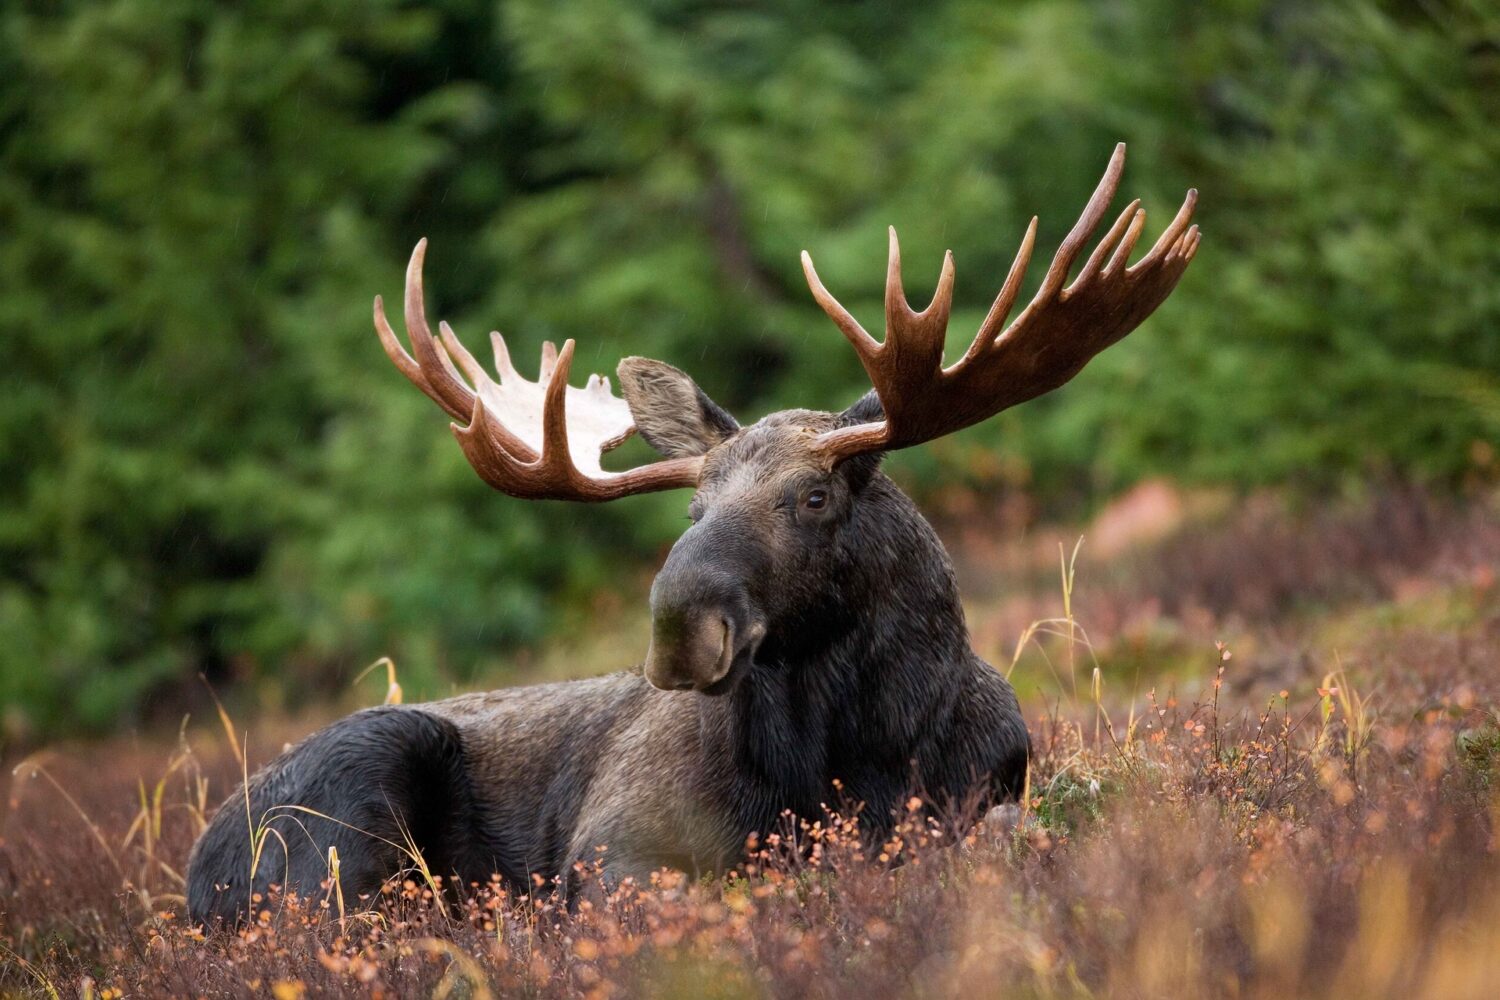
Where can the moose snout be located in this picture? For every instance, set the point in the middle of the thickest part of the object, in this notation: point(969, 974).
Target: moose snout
point(690, 650)
point(704, 622)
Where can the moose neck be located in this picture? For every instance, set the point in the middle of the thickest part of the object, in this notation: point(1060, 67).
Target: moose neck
point(859, 677)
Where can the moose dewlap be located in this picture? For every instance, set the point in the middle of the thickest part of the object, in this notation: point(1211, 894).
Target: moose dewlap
point(806, 629)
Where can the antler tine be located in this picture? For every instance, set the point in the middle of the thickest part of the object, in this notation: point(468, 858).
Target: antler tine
point(516, 433)
point(451, 393)
point(897, 309)
point(1197, 238)
point(503, 366)
point(1096, 259)
point(863, 343)
point(403, 361)
point(1122, 252)
point(555, 454)
point(408, 366)
point(994, 320)
point(449, 368)
point(1169, 235)
point(459, 353)
point(1093, 214)
point(915, 335)
point(1058, 332)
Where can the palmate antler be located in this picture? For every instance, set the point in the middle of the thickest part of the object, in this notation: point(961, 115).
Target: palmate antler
point(544, 439)
point(534, 440)
point(1052, 339)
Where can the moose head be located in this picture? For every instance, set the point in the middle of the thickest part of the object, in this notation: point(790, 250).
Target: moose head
point(783, 505)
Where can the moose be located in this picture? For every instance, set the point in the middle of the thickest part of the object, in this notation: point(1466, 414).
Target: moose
point(806, 631)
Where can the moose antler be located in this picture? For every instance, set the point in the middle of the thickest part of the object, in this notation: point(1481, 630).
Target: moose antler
point(534, 440)
point(1052, 339)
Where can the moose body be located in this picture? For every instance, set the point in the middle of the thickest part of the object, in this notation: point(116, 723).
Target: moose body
point(876, 688)
point(808, 646)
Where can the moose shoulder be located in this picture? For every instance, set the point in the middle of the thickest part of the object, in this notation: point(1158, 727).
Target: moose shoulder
point(806, 629)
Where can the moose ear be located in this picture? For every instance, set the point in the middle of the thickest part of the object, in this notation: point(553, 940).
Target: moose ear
point(865, 410)
point(674, 416)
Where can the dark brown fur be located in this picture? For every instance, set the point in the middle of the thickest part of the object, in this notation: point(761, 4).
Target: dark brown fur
point(809, 645)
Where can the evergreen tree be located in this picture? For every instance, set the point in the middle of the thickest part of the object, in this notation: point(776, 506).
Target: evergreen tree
point(207, 465)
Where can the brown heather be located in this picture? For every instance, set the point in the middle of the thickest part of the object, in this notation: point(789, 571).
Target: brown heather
point(1325, 828)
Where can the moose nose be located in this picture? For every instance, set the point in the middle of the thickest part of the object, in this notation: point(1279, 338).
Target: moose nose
point(689, 650)
point(702, 615)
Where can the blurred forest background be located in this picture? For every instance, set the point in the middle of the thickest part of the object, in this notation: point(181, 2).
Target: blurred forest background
point(208, 466)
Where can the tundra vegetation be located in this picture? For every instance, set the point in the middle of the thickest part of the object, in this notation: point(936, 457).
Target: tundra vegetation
point(1308, 811)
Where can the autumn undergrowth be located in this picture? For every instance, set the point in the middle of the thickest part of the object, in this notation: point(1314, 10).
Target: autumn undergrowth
point(1230, 832)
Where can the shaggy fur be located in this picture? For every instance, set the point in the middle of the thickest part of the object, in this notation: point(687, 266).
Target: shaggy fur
point(849, 661)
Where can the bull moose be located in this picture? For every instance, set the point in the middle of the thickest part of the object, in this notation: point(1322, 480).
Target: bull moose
point(805, 629)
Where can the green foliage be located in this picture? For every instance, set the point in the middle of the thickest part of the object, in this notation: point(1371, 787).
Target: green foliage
point(206, 465)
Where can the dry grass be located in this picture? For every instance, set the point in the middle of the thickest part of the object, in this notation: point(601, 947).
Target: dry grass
point(1328, 829)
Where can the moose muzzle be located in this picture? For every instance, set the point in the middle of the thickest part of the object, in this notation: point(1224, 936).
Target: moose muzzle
point(690, 651)
point(704, 631)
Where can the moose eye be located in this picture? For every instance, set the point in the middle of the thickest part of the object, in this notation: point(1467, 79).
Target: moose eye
point(815, 499)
